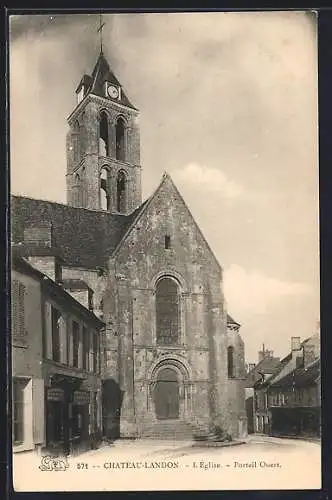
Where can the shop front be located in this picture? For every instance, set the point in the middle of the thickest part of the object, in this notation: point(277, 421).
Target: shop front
point(67, 415)
point(295, 421)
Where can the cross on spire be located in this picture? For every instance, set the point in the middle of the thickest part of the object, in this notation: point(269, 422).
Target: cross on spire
point(100, 30)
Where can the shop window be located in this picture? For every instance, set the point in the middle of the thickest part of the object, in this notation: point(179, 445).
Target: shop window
point(77, 421)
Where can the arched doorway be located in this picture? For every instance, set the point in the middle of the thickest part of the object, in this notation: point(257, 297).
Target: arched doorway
point(167, 397)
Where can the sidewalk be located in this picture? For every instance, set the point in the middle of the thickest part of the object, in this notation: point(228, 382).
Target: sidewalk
point(277, 439)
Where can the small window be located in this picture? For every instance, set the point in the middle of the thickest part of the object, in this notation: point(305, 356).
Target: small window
point(56, 317)
point(86, 344)
point(230, 361)
point(76, 343)
point(167, 242)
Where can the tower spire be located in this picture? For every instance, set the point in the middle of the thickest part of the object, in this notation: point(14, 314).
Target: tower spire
point(100, 31)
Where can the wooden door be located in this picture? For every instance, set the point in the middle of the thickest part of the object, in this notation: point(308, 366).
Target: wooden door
point(167, 395)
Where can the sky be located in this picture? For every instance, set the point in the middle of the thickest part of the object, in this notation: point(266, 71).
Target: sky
point(228, 106)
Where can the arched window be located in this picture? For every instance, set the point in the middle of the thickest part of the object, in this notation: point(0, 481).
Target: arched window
point(83, 188)
point(77, 190)
point(121, 192)
point(104, 190)
point(167, 312)
point(76, 142)
point(120, 139)
point(230, 361)
point(103, 135)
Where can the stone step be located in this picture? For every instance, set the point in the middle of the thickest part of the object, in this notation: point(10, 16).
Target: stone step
point(168, 429)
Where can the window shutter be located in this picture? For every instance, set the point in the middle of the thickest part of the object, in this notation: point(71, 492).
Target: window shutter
point(21, 294)
point(18, 312)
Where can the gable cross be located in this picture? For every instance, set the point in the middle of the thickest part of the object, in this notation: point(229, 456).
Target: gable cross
point(100, 30)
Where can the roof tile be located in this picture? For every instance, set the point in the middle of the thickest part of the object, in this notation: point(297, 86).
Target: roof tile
point(87, 238)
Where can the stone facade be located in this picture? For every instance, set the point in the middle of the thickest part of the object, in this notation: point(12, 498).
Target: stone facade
point(200, 355)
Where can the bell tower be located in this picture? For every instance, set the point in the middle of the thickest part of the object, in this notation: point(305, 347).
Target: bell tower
point(103, 145)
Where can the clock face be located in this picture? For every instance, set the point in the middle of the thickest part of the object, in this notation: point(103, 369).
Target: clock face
point(113, 91)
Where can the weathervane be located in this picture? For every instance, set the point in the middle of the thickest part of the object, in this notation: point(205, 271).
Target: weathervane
point(100, 30)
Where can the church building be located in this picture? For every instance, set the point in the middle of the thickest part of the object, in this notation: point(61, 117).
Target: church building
point(172, 362)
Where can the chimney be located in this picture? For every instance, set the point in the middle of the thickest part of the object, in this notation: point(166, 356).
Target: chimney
point(38, 249)
point(261, 354)
point(295, 343)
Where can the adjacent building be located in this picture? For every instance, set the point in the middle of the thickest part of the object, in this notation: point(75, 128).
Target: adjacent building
point(263, 370)
point(56, 382)
point(288, 402)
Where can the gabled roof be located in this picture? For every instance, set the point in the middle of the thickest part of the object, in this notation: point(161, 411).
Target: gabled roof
point(102, 73)
point(263, 383)
point(141, 210)
point(87, 238)
point(267, 366)
point(300, 377)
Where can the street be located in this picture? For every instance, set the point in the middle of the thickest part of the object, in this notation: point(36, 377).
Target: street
point(260, 463)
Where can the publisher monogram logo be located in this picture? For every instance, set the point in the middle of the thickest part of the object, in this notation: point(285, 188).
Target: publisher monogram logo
point(49, 463)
